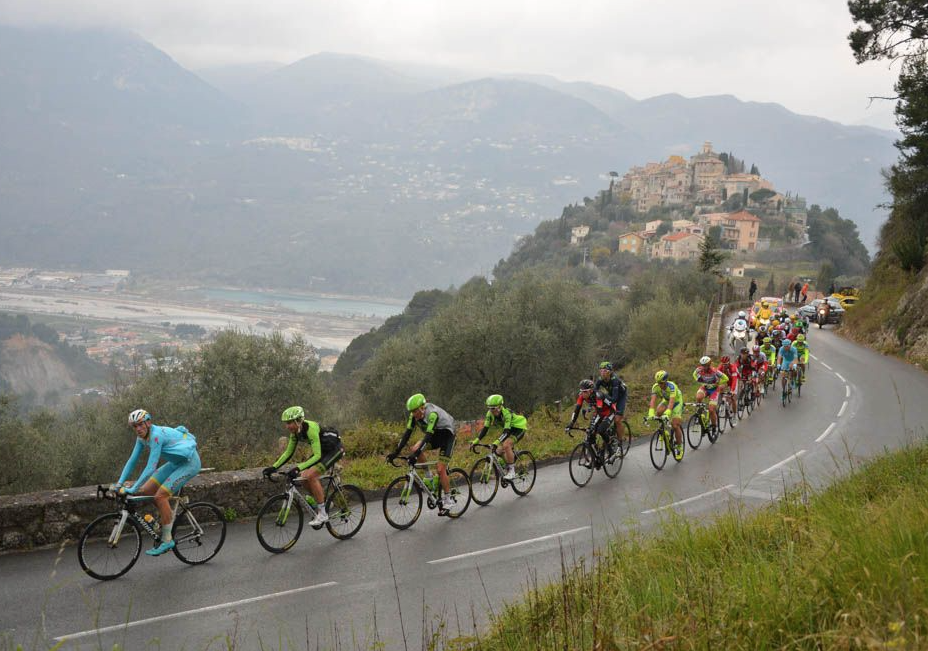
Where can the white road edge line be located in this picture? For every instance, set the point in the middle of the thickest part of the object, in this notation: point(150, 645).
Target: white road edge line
point(509, 546)
point(841, 377)
point(689, 499)
point(826, 366)
point(843, 407)
point(847, 391)
point(783, 463)
point(813, 357)
point(195, 611)
point(826, 432)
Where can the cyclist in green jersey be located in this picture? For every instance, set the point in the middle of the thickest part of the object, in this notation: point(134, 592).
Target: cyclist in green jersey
point(802, 348)
point(671, 402)
point(513, 426)
point(326, 447)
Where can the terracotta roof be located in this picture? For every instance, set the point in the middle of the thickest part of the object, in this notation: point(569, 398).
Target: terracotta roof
point(743, 216)
point(676, 237)
point(630, 234)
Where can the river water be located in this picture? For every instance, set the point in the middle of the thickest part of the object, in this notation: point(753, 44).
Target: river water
point(306, 304)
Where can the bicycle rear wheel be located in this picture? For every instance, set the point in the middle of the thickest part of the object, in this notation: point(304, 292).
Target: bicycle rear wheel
point(105, 561)
point(199, 532)
point(724, 414)
point(484, 481)
point(279, 527)
point(694, 431)
point(347, 509)
point(460, 492)
point(525, 473)
point(658, 449)
point(580, 465)
point(625, 437)
point(612, 463)
point(402, 503)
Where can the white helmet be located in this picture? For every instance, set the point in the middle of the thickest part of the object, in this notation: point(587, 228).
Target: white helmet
point(742, 314)
point(705, 359)
point(138, 416)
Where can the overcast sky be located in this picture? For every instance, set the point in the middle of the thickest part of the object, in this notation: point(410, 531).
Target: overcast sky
point(793, 52)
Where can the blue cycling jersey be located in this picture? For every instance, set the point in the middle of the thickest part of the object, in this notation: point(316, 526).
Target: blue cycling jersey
point(175, 444)
point(788, 354)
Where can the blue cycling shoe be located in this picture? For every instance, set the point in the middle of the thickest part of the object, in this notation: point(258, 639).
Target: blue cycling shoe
point(162, 548)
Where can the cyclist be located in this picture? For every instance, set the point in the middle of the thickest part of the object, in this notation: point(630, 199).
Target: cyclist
point(603, 421)
point(710, 380)
point(730, 391)
point(747, 369)
point(770, 352)
point(179, 449)
point(671, 403)
point(438, 426)
point(326, 447)
point(761, 333)
point(760, 363)
point(513, 426)
point(612, 386)
point(802, 350)
point(786, 361)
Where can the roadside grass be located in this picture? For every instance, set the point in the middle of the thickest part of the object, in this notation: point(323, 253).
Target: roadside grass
point(865, 321)
point(846, 567)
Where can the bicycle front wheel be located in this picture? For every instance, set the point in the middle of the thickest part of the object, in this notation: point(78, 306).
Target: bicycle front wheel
point(105, 560)
point(279, 526)
point(402, 503)
point(625, 437)
point(613, 458)
point(484, 481)
point(199, 532)
point(525, 473)
point(694, 431)
point(460, 493)
point(581, 464)
point(347, 509)
point(658, 449)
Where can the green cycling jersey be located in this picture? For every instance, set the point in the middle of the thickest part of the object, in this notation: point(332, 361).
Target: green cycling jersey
point(507, 420)
point(319, 442)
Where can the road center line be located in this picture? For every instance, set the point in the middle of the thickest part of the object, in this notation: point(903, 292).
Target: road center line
point(689, 499)
point(826, 366)
point(813, 357)
point(826, 432)
point(847, 391)
point(195, 611)
point(841, 377)
point(509, 546)
point(783, 463)
point(843, 407)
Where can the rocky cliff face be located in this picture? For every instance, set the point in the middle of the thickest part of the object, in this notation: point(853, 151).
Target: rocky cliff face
point(30, 366)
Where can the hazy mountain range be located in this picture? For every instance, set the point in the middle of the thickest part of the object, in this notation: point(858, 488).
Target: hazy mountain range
point(345, 173)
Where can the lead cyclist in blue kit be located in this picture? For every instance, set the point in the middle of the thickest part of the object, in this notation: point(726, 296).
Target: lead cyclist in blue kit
point(178, 448)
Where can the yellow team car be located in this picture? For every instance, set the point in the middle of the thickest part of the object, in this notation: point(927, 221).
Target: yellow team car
point(847, 296)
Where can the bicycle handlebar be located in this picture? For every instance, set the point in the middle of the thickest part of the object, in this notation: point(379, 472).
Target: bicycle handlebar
point(481, 445)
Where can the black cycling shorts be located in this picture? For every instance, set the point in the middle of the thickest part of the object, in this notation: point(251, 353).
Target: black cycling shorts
point(515, 434)
point(329, 457)
point(443, 441)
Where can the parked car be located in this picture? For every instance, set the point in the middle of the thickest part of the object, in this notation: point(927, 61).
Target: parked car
point(810, 310)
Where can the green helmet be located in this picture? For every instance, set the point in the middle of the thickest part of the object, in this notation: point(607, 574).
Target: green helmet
point(415, 401)
point(292, 413)
point(605, 366)
point(495, 400)
point(660, 376)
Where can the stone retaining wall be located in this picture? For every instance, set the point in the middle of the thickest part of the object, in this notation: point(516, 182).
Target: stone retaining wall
point(51, 517)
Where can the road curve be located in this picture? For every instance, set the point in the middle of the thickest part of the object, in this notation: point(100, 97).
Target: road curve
point(857, 404)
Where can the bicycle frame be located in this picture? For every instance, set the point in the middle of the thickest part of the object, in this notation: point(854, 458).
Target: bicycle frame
point(128, 509)
point(332, 484)
point(413, 477)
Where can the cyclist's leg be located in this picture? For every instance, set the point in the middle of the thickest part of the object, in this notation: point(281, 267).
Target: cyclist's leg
point(181, 471)
point(153, 487)
point(443, 441)
point(676, 421)
point(506, 448)
point(713, 407)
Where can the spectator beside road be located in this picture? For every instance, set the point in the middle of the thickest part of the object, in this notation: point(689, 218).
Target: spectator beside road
point(796, 289)
point(752, 290)
point(805, 292)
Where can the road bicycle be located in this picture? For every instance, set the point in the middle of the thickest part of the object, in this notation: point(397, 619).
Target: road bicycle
point(699, 425)
point(112, 543)
point(786, 382)
point(402, 501)
point(745, 399)
point(587, 456)
point(624, 437)
point(725, 412)
point(664, 443)
point(279, 524)
point(800, 380)
point(486, 475)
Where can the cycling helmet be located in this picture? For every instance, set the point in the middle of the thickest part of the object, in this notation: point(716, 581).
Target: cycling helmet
point(787, 342)
point(800, 337)
point(415, 401)
point(605, 365)
point(743, 350)
point(138, 416)
point(724, 360)
point(291, 414)
point(762, 328)
point(755, 350)
point(742, 314)
point(660, 376)
point(764, 304)
point(768, 340)
point(586, 385)
point(495, 400)
point(705, 359)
